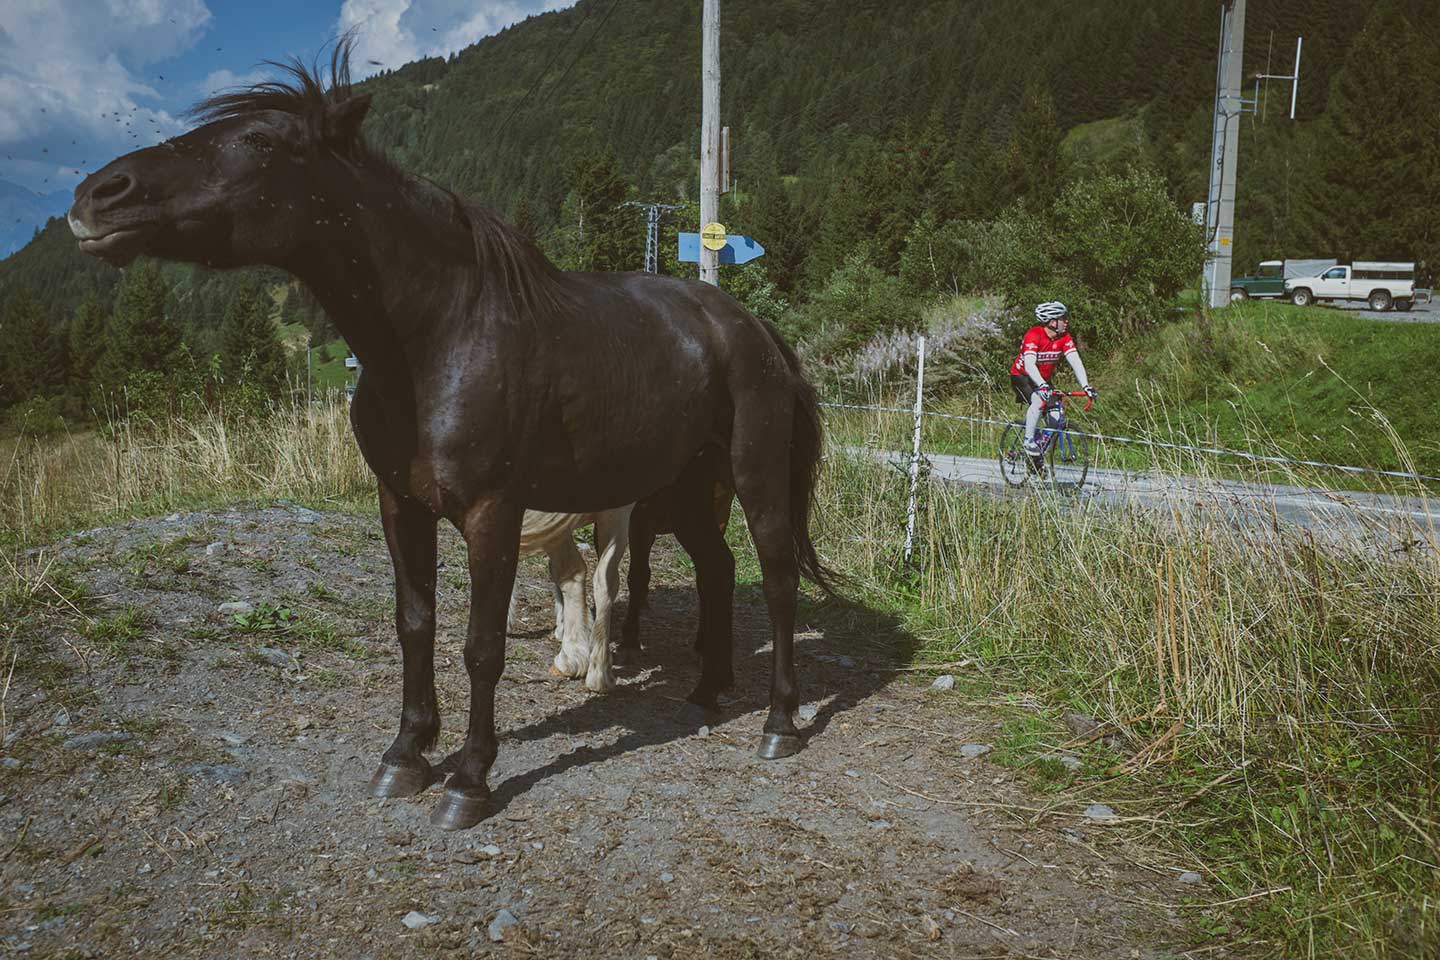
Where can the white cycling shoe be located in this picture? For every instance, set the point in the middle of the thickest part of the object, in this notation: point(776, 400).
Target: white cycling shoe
point(1030, 448)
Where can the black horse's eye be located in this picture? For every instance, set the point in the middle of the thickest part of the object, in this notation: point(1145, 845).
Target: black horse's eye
point(256, 140)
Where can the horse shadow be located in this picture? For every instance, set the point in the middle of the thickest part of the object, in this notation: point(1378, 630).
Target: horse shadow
point(845, 653)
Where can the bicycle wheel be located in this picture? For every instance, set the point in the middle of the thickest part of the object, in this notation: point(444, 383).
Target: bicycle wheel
point(1015, 466)
point(1069, 457)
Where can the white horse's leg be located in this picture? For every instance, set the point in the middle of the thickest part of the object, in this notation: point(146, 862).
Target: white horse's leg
point(612, 535)
point(572, 624)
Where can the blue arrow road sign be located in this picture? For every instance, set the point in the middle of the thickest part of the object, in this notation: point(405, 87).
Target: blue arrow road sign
point(736, 249)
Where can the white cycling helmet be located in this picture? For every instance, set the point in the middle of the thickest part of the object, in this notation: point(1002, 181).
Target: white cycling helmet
point(1049, 312)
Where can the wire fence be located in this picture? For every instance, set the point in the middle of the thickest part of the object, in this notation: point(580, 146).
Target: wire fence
point(920, 413)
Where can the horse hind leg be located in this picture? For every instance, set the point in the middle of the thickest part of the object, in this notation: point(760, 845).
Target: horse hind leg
point(642, 540)
point(765, 497)
point(572, 613)
point(695, 528)
point(612, 533)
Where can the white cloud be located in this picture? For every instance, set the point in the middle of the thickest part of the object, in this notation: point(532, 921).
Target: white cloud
point(224, 79)
point(391, 33)
point(69, 92)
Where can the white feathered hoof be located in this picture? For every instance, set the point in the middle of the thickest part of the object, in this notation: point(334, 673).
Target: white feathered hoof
point(568, 665)
point(599, 681)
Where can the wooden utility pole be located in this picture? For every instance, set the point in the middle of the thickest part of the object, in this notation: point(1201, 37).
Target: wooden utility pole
point(710, 136)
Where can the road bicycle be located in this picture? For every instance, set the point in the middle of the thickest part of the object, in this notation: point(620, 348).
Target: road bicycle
point(1064, 457)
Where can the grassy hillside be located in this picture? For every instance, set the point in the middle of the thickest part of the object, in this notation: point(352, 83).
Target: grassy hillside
point(1263, 378)
point(1314, 383)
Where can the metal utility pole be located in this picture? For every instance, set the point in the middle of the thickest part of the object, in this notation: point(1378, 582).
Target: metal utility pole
point(652, 231)
point(1224, 152)
point(710, 136)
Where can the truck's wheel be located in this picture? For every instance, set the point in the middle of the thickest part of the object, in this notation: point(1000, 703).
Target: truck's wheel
point(1301, 297)
point(1380, 300)
point(1238, 294)
point(1402, 305)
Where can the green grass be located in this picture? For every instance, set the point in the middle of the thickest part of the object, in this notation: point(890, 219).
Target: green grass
point(1260, 378)
point(1312, 382)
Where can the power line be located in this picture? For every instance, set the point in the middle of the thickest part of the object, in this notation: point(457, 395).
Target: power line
point(588, 41)
point(548, 67)
point(586, 46)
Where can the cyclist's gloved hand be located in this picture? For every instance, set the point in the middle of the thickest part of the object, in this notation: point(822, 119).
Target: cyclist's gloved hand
point(1091, 392)
point(1045, 391)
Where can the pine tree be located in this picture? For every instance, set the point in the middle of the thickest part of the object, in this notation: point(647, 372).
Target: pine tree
point(143, 336)
point(32, 360)
point(1380, 121)
point(87, 342)
point(1034, 162)
point(598, 234)
point(250, 350)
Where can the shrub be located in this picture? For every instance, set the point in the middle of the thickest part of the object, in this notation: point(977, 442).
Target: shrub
point(857, 302)
point(1114, 248)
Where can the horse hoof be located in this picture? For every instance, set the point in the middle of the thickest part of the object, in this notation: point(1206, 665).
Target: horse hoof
point(557, 672)
point(458, 810)
point(774, 746)
point(392, 781)
point(705, 699)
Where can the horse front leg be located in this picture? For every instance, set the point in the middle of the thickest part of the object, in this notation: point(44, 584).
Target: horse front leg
point(410, 535)
point(492, 535)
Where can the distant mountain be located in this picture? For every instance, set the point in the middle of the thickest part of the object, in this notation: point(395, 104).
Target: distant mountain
point(23, 212)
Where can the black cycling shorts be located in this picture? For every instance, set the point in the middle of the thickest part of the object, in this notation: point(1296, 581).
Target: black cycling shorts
point(1023, 386)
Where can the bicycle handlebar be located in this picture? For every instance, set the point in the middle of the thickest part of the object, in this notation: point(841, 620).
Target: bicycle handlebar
point(1089, 400)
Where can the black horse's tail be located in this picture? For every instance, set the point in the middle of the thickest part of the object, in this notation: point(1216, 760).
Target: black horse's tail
point(807, 442)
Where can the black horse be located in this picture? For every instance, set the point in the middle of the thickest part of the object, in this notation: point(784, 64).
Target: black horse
point(493, 382)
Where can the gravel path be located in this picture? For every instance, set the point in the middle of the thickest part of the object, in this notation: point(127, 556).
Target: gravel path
point(181, 783)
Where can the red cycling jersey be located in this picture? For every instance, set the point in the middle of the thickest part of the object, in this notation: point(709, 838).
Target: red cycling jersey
point(1047, 351)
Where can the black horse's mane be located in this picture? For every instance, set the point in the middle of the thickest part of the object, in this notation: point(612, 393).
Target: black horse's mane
point(521, 270)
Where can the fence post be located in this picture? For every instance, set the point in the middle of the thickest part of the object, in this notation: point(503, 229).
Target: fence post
point(915, 450)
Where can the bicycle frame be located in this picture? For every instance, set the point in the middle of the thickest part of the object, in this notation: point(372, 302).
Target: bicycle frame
point(1054, 439)
point(1060, 432)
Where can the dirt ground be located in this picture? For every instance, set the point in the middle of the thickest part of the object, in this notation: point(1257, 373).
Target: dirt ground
point(225, 814)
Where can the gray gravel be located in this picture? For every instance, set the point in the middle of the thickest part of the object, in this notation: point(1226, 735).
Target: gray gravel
point(220, 809)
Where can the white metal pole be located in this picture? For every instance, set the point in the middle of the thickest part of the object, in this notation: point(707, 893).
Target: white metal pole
point(915, 450)
point(1295, 87)
point(710, 136)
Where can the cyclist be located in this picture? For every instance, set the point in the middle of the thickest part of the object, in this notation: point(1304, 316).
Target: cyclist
point(1041, 348)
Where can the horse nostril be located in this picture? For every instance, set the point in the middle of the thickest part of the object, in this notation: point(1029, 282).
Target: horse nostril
point(116, 186)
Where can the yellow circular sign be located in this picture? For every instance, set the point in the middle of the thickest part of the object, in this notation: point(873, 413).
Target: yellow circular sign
point(712, 235)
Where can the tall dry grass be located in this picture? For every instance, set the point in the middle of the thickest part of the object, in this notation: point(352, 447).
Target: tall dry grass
point(1298, 667)
point(137, 466)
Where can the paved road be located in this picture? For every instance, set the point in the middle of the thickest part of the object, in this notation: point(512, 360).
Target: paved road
point(1419, 313)
point(1428, 312)
point(1383, 521)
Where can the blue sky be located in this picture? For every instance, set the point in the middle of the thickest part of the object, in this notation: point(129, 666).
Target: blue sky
point(83, 81)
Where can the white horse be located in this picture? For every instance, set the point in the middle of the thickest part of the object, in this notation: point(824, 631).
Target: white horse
point(584, 643)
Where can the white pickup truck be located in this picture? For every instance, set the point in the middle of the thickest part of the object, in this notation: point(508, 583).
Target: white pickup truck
point(1383, 284)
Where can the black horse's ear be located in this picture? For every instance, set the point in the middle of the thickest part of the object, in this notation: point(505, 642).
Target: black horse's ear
point(343, 119)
